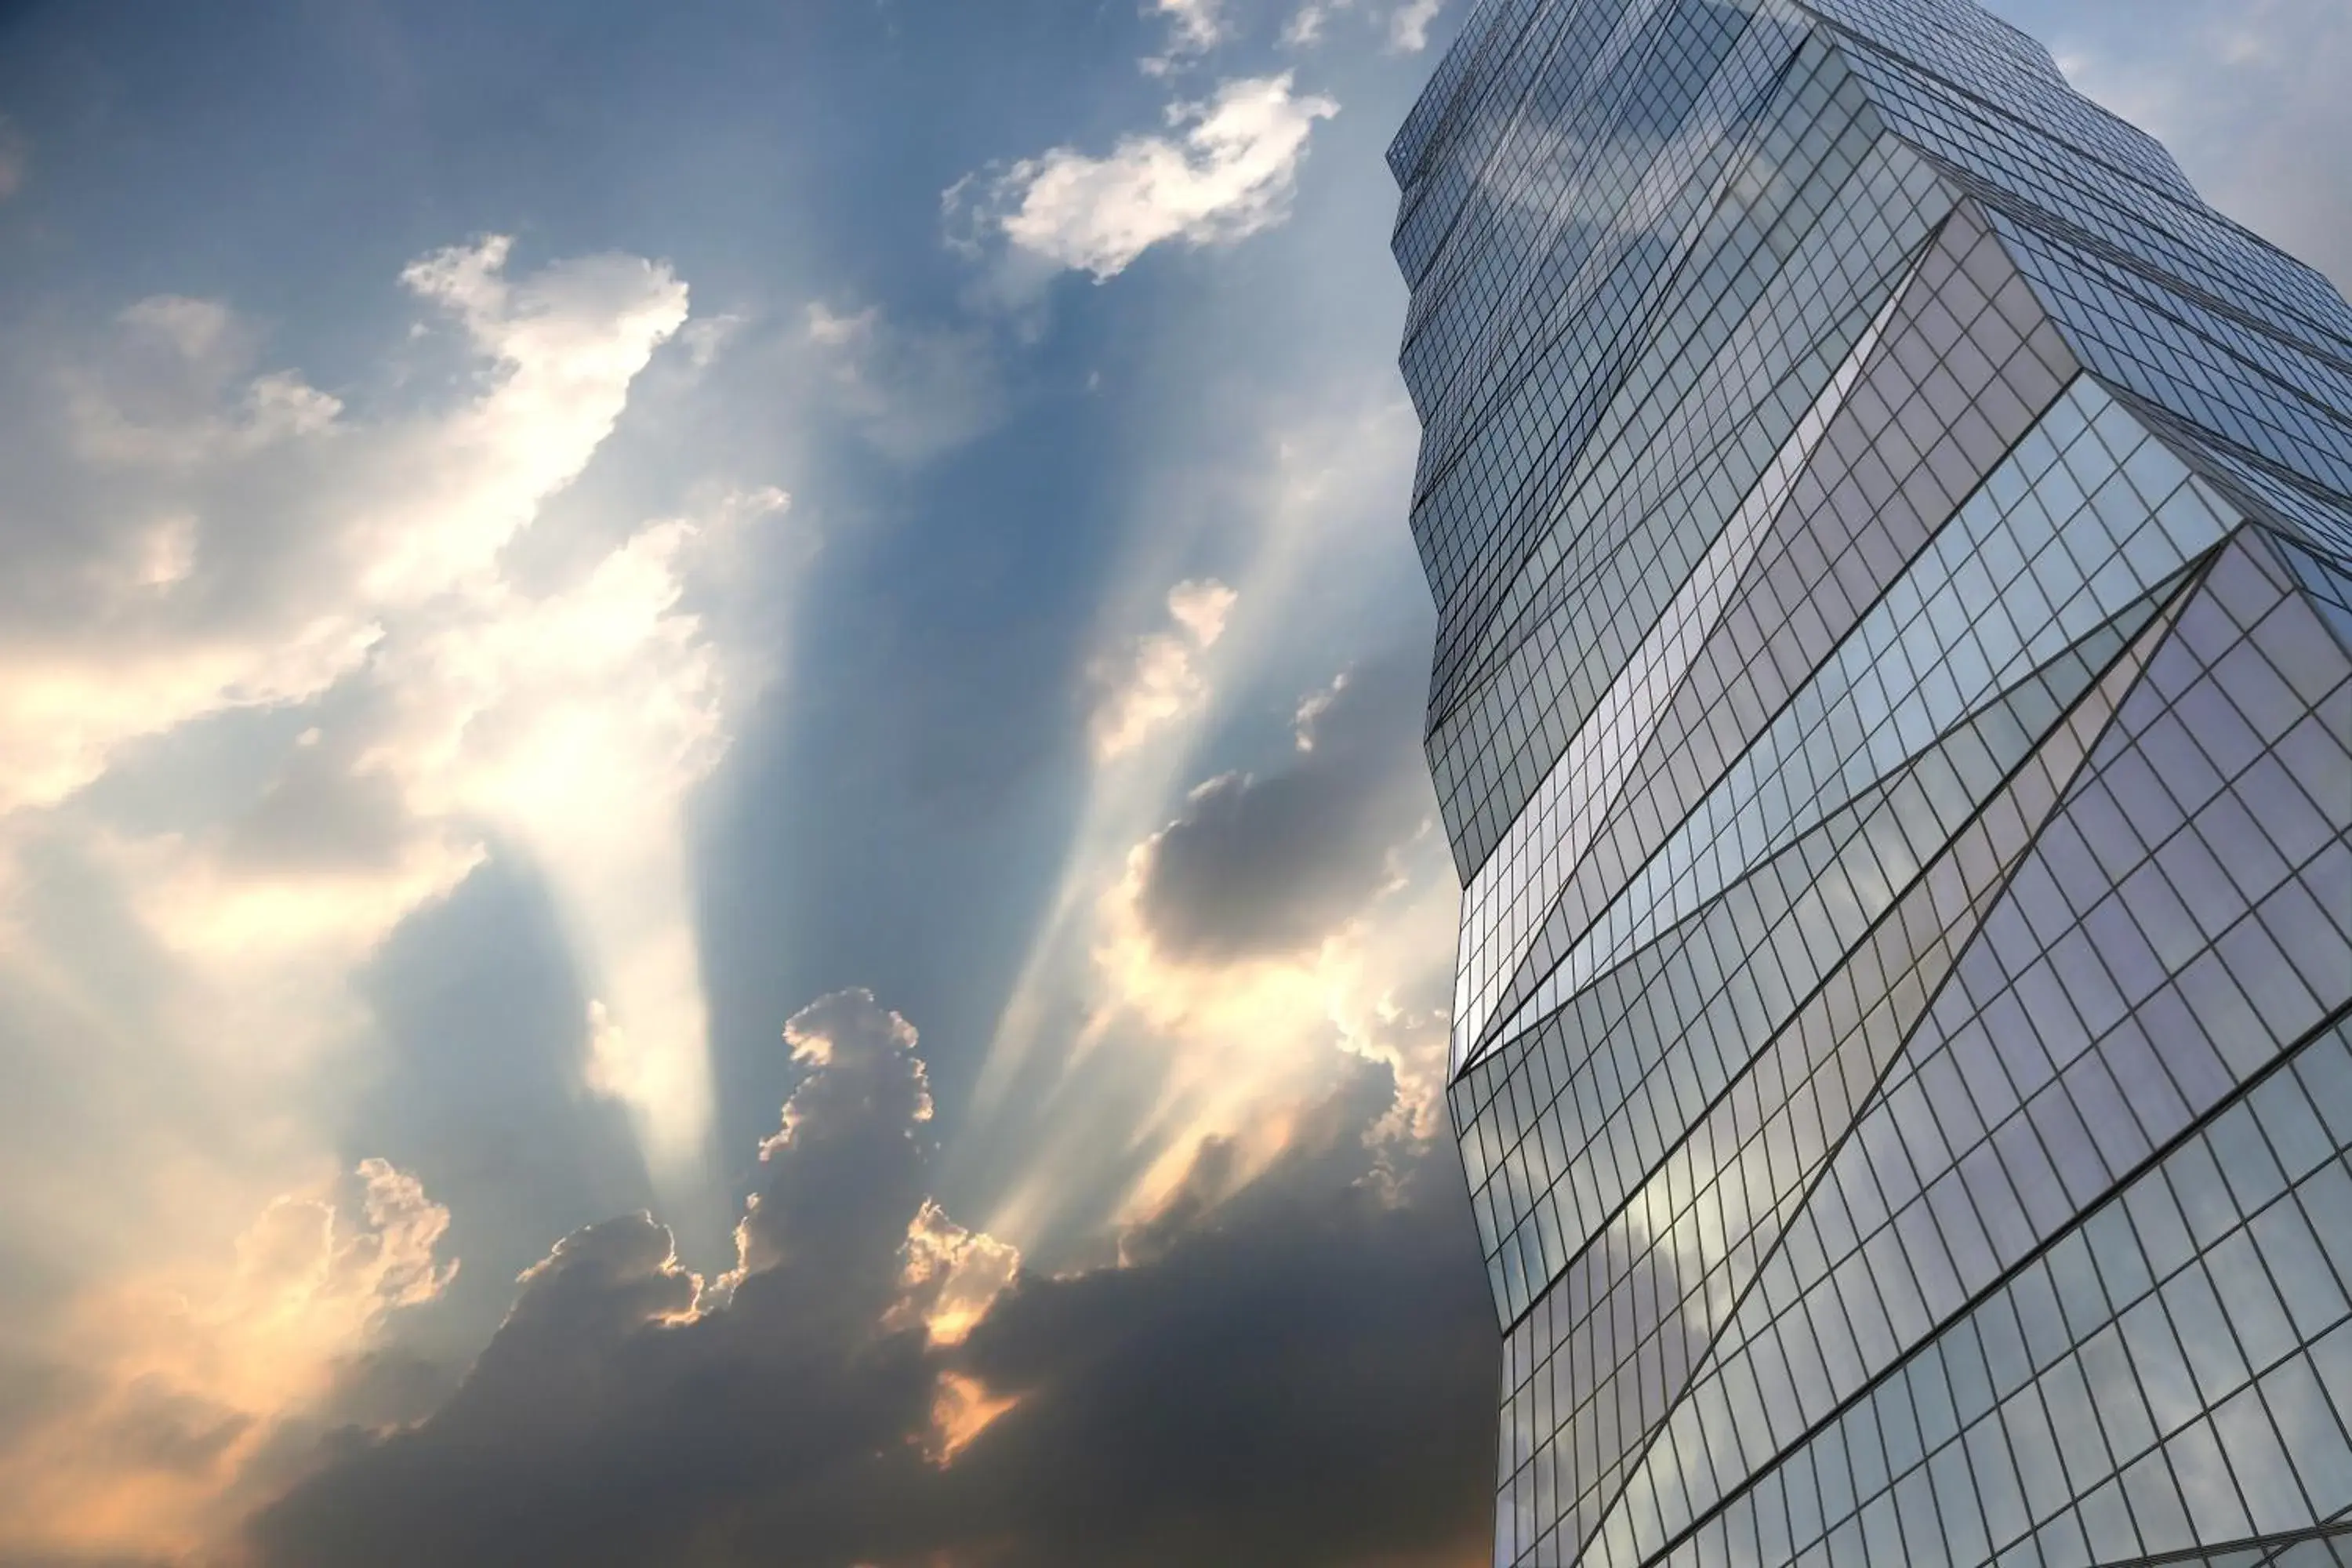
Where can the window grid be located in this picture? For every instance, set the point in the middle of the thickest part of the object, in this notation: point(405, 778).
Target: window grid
point(1892, 713)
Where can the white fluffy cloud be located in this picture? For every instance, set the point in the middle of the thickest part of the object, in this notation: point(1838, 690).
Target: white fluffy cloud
point(231, 539)
point(1404, 27)
point(1223, 170)
point(1408, 24)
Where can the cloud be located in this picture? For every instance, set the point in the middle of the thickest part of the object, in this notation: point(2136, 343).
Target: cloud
point(1225, 171)
point(2240, 92)
point(577, 722)
point(1113, 1056)
point(911, 392)
point(280, 669)
point(166, 1390)
point(230, 539)
point(1155, 679)
point(603, 1283)
point(1305, 28)
point(952, 1275)
point(1272, 864)
point(227, 539)
point(1408, 24)
point(260, 666)
point(708, 337)
point(1229, 1393)
point(1194, 27)
point(1280, 923)
point(844, 1181)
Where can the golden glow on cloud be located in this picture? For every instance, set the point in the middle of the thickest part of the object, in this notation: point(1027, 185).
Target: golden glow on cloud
point(1221, 1042)
point(183, 1375)
point(263, 549)
point(962, 1411)
point(953, 1275)
point(1248, 1034)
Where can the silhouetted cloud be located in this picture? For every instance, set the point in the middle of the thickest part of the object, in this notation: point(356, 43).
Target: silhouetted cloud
point(1298, 1372)
point(1274, 862)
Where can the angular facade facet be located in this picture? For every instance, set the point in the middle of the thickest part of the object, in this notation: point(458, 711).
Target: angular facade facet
point(1893, 715)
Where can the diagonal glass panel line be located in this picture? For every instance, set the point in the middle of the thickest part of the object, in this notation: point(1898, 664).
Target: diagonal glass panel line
point(2330, 1546)
point(1749, 385)
point(1761, 303)
point(1519, 879)
point(1573, 65)
point(1680, 193)
point(2046, 777)
point(1737, 299)
point(1617, 209)
point(1710, 1216)
point(1461, 669)
point(1475, 337)
point(1694, 1233)
point(1628, 1064)
point(2326, 587)
point(2285, 502)
point(1670, 48)
point(1845, 535)
point(2058, 540)
point(2130, 337)
point(2021, 1103)
point(2010, 720)
point(1628, 545)
point(2115, 1356)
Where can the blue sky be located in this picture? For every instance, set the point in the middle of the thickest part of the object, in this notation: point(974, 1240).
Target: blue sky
point(791, 618)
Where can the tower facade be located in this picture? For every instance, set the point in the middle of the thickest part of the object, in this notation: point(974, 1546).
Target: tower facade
point(1893, 716)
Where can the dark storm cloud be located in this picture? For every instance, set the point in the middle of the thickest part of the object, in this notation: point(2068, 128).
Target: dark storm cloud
point(1298, 1375)
point(1303, 1376)
point(1272, 863)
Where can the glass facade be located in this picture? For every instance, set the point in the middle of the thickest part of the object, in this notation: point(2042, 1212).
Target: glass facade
point(1892, 711)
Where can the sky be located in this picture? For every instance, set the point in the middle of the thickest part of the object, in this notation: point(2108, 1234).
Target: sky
point(712, 847)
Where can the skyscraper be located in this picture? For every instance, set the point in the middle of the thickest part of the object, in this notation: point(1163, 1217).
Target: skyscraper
point(1893, 715)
